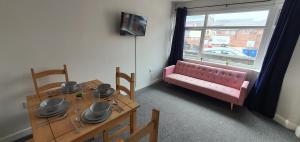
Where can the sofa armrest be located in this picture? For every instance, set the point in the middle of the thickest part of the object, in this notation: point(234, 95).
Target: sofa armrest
point(168, 70)
point(243, 93)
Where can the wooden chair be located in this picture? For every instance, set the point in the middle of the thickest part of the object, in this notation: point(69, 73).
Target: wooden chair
point(151, 128)
point(130, 93)
point(36, 76)
point(130, 79)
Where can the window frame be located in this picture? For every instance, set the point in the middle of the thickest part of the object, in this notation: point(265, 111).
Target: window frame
point(267, 31)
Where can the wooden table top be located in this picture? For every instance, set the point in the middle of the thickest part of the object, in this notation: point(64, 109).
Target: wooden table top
point(63, 130)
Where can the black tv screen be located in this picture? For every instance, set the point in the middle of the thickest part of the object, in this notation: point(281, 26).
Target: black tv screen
point(133, 24)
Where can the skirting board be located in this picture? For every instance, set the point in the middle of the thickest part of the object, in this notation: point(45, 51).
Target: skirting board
point(16, 135)
point(151, 82)
point(285, 122)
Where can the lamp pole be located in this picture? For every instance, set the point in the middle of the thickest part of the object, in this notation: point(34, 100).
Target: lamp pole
point(135, 61)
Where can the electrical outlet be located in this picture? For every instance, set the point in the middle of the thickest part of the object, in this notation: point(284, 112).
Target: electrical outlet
point(150, 73)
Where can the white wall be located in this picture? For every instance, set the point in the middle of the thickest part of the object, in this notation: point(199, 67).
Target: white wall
point(80, 33)
point(288, 112)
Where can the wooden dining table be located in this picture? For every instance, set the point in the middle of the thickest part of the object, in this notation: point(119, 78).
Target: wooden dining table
point(67, 129)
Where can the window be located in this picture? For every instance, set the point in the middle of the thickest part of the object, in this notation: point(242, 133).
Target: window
point(192, 42)
point(228, 38)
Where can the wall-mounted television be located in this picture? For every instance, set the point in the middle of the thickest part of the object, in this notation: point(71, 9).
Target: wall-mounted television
point(133, 24)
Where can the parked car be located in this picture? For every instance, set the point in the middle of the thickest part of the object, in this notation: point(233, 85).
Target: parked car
point(224, 51)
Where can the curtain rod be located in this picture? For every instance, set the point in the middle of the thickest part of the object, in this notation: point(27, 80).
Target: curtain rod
point(226, 5)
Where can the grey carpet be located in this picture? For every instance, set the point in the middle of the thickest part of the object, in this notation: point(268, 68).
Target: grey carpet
point(188, 116)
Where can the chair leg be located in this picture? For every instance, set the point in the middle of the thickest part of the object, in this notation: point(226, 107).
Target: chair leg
point(231, 106)
point(132, 121)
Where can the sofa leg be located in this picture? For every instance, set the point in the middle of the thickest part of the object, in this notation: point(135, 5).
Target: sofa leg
point(231, 106)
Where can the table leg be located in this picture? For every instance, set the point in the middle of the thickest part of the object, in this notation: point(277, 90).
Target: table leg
point(132, 121)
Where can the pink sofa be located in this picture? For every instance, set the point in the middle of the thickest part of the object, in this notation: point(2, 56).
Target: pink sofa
point(223, 84)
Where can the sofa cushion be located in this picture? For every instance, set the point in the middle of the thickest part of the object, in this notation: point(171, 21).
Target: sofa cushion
point(221, 76)
point(212, 89)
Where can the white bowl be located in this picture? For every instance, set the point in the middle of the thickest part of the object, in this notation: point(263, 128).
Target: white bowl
point(51, 104)
point(102, 88)
point(99, 108)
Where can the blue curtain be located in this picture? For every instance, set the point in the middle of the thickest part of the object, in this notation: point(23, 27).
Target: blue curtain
point(264, 95)
point(178, 37)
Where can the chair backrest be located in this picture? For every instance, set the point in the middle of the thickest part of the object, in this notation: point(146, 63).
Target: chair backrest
point(42, 74)
point(151, 128)
point(130, 79)
point(218, 75)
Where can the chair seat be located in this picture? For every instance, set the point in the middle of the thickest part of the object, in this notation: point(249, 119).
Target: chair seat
point(202, 86)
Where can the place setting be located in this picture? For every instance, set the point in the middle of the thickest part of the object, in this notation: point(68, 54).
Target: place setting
point(52, 107)
point(100, 109)
point(96, 113)
point(55, 108)
point(103, 91)
point(70, 87)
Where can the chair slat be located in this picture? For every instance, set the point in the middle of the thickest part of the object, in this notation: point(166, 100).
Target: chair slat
point(50, 86)
point(124, 89)
point(48, 72)
point(125, 76)
point(118, 132)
